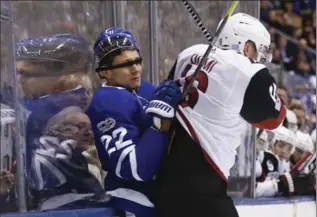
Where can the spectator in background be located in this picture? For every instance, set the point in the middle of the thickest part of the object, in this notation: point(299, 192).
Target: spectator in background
point(296, 103)
point(265, 10)
point(6, 185)
point(307, 27)
point(291, 121)
point(311, 37)
point(303, 60)
point(273, 36)
point(304, 8)
point(297, 106)
point(293, 63)
point(286, 51)
point(297, 33)
point(276, 58)
point(276, 69)
point(291, 19)
point(59, 169)
point(6, 182)
point(288, 19)
point(282, 93)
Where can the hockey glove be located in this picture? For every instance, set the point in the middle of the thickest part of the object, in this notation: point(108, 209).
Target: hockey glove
point(164, 102)
point(301, 180)
point(296, 184)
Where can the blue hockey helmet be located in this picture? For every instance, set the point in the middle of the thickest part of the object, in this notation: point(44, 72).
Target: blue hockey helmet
point(60, 53)
point(112, 39)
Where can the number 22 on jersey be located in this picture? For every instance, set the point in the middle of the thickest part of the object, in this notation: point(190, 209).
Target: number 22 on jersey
point(118, 134)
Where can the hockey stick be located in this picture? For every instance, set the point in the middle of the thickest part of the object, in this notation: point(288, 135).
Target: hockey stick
point(198, 20)
point(230, 11)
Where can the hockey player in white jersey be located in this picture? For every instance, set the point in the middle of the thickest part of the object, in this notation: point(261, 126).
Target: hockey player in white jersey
point(233, 84)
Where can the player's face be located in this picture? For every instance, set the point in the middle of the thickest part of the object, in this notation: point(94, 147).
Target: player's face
point(128, 76)
point(283, 150)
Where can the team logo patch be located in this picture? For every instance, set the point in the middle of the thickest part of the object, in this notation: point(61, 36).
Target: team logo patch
point(106, 125)
point(269, 165)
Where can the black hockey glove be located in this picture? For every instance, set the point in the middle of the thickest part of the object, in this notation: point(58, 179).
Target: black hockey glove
point(290, 184)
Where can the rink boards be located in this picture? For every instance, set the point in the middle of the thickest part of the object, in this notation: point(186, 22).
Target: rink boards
point(261, 207)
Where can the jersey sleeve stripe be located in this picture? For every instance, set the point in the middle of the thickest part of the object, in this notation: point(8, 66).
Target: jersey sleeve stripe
point(272, 123)
point(131, 195)
point(134, 165)
point(123, 155)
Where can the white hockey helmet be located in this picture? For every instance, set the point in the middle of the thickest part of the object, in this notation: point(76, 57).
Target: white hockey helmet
point(284, 135)
point(304, 142)
point(242, 27)
point(292, 120)
point(283, 143)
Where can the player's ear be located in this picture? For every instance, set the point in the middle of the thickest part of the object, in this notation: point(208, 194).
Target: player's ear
point(246, 49)
point(249, 49)
point(107, 74)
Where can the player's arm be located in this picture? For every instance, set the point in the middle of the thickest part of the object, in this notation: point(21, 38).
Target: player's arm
point(261, 105)
point(132, 155)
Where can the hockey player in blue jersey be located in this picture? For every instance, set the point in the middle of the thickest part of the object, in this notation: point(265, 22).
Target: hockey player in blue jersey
point(130, 143)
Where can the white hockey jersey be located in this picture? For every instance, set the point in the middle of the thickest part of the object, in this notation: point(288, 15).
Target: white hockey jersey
point(227, 88)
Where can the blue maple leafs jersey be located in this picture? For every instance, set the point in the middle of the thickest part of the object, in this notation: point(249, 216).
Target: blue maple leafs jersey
point(129, 148)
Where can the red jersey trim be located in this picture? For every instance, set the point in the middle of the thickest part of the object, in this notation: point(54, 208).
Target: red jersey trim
point(300, 162)
point(272, 123)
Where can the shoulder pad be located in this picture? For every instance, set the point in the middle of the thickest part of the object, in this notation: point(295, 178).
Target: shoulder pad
point(113, 98)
